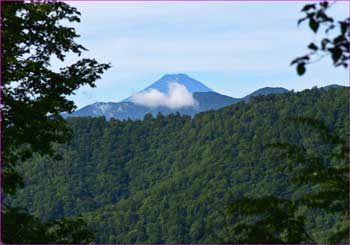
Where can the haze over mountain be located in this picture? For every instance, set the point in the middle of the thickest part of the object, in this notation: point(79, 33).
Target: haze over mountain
point(170, 94)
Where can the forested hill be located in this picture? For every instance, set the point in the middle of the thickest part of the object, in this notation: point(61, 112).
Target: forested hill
point(168, 179)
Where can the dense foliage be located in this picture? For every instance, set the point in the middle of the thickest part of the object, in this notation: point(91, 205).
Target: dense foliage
point(325, 179)
point(169, 179)
point(33, 95)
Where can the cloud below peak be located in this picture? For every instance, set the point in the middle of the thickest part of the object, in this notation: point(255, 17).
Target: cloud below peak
point(177, 97)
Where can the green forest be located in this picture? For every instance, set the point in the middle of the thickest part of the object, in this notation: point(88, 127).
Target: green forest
point(171, 179)
point(272, 169)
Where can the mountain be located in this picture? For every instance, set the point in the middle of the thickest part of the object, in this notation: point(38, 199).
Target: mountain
point(266, 91)
point(169, 179)
point(191, 84)
point(128, 110)
point(206, 99)
point(332, 86)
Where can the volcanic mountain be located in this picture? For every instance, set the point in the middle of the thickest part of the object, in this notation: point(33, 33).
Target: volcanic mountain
point(166, 96)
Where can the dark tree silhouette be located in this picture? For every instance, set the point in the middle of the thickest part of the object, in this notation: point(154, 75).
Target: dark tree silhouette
point(33, 96)
point(335, 43)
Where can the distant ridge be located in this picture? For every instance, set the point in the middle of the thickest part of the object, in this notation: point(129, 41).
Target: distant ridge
point(207, 100)
point(266, 91)
point(332, 86)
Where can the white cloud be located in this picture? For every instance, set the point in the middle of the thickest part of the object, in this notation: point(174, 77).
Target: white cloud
point(177, 97)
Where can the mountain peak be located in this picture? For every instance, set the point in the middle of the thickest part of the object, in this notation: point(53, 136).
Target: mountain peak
point(162, 85)
point(191, 84)
point(178, 76)
point(269, 90)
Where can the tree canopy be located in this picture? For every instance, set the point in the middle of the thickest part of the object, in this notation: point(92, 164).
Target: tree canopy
point(170, 179)
point(165, 179)
point(327, 178)
point(34, 94)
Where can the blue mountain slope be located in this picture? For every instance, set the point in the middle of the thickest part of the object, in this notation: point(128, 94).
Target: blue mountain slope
point(212, 100)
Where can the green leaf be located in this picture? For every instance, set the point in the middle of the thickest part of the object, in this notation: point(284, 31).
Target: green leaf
point(314, 25)
point(307, 7)
point(313, 46)
point(339, 39)
point(336, 54)
point(324, 4)
point(343, 26)
point(301, 69)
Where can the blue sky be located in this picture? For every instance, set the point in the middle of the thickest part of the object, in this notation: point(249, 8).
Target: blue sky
point(232, 47)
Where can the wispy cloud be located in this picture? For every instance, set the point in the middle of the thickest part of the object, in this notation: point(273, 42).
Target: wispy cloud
point(177, 97)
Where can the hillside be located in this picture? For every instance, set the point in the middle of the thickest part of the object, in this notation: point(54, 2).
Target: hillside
point(168, 179)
